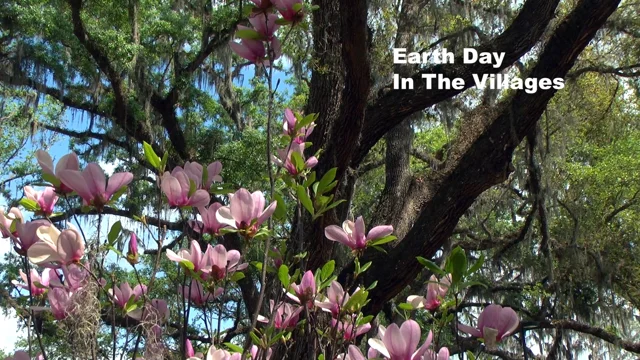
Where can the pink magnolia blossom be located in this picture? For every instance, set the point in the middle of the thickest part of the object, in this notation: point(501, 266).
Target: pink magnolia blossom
point(132, 252)
point(190, 353)
point(353, 234)
point(177, 185)
point(35, 279)
point(197, 295)
point(443, 354)
point(264, 24)
point(67, 162)
point(436, 291)
point(401, 343)
point(64, 247)
point(262, 4)
point(155, 311)
point(289, 128)
point(255, 50)
point(285, 160)
point(305, 293)
point(221, 354)
point(60, 301)
point(193, 255)
point(6, 220)
point(45, 199)
point(256, 353)
point(75, 277)
point(27, 234)
point(335, 299)
point(209, 223)
point(195, 172)
point(353, 353)
point(286, 9)
point(286, 315)
point(92, 185)
point(121, 294)
point(246, 211)
point(347, 330)
point(494, 324)
point(220, 262)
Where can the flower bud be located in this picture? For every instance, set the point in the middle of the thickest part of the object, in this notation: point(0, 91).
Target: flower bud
point(132, 254)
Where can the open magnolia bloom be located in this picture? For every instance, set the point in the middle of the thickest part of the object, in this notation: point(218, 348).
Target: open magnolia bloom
point(286, 156)
point(219, 354)
point(494, 324)
point(7, 220)
point(436, 291)
point(177, 187)
point(195, 172)
point(67, 162)
point(38, 283)
point(197, 294)
point(246, 211)
point(27, 234)
point(401, 343)
point(121, 294)
point(45, 199)
point(56, 247)
point(289, 128)
point(286, 315)
point(306, 291)
point(209, 223)
point(92, 185)
point(353, 234)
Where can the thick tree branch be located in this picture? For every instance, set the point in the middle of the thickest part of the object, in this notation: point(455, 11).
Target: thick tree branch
point(393, 107)
point(600, 333)
point(481, 159)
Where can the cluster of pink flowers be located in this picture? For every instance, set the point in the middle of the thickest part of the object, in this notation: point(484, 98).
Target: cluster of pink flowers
point(297, 137)
point(257, 41)
point(177, 185)
point(436, 291)
point(215, 264)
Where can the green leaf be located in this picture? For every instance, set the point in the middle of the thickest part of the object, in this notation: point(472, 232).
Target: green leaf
point(327, 269)
point(384, 240)
point(365, 267)
point(30, 205)
point(254, 338)
point(364, 320)
point(118, 194)
point(477, 265)
point(233, 347)
point(373, 285)
point(405, 306)
point(458, 261)
point(304, 199)
point(192, 187)
point(356, 301)
point(310, 179)
point(297, 7)
point(281, 207)
point(131, 304)
point(470, 355)
point(297, 160)
point(237, 276)
point(327, 178)
point(283, 275)
point(163, 163)
point(431, 266)
point(248, 34)
point(187, 264)
point(151, 155)
point(115, 250)
point(114, 232)
point(51, 178)
point(334, 204)
point(283, 22)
